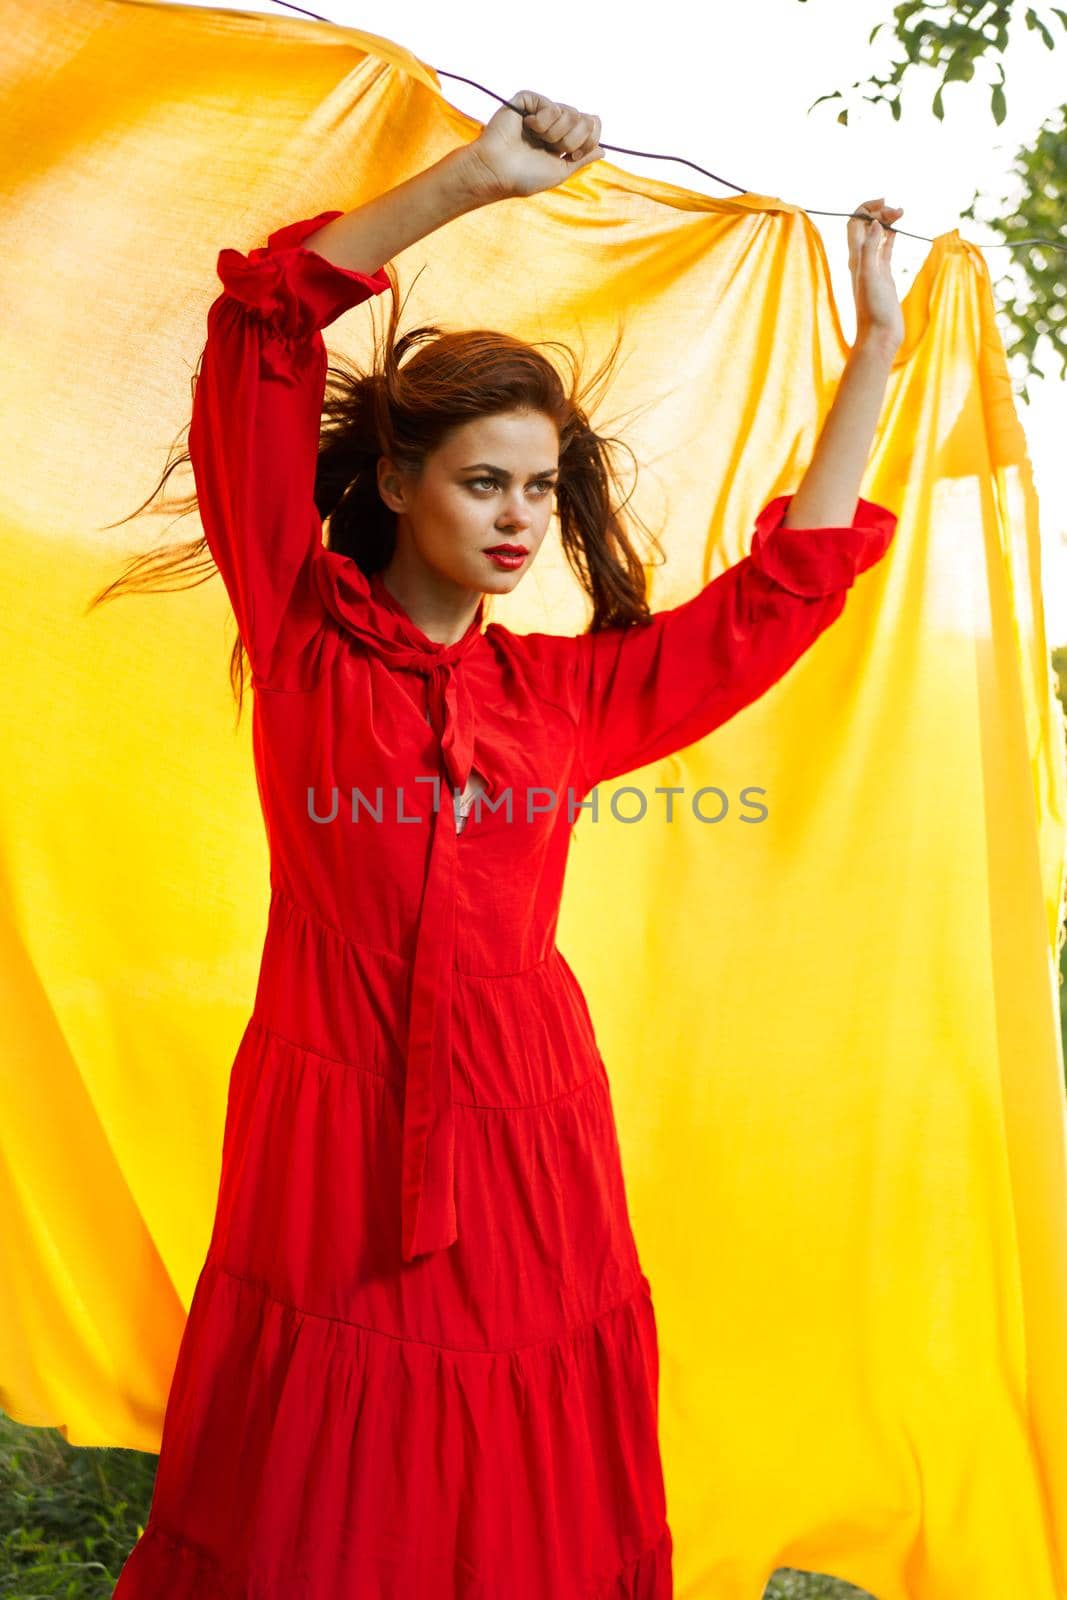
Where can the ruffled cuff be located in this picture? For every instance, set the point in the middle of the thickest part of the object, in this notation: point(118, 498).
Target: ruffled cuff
point(293, 289)
point(816, 561)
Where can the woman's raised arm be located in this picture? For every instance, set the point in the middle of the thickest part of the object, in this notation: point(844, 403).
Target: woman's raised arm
point(645, 692)
point(254, 434)
point(257, 403)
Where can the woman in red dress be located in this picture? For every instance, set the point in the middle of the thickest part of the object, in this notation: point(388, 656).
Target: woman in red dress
point(420, 1361)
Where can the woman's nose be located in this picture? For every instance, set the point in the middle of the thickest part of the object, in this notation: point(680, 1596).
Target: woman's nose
point(517, 515)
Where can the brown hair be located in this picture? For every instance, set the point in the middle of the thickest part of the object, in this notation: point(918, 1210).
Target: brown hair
point(405, 408)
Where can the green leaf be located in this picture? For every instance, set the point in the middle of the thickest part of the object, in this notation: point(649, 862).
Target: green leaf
point(938, 104)
point(1000, 104)
point(874, 30)
point(1046, 35)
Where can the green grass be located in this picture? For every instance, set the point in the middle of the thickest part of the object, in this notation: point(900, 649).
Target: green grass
point(789, 1585)
point(68, 1517)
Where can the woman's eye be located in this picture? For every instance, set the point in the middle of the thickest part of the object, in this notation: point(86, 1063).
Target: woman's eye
point(546, 485)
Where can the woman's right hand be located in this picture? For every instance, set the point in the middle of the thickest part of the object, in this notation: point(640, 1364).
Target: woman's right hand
point(533, 144)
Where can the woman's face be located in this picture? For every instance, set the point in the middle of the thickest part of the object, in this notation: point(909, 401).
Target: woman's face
point(490, 483)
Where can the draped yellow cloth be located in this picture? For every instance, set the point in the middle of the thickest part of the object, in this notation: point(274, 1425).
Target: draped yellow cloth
point(832, 1036)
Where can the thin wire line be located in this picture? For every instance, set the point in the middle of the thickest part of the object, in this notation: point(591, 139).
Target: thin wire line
point(651, 155)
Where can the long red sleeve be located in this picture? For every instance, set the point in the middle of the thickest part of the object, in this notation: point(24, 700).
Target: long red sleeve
point(646, 692)
point(254, 435)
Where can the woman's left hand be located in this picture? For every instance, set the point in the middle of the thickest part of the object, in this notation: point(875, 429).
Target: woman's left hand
point(870, 256)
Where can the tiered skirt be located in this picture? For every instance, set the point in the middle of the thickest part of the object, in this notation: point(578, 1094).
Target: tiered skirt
point(478, 1424)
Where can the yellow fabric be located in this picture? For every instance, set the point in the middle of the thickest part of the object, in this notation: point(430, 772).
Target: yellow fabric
point(832, 1037)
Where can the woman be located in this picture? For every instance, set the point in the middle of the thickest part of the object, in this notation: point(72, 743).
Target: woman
point(421, 1358)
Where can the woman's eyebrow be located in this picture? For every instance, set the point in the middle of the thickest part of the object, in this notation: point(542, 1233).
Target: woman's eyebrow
point(547, 473)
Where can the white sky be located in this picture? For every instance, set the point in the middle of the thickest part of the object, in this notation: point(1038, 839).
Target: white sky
point(729, 87)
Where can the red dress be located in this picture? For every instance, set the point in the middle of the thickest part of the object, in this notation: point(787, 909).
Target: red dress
point(420, 1362)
